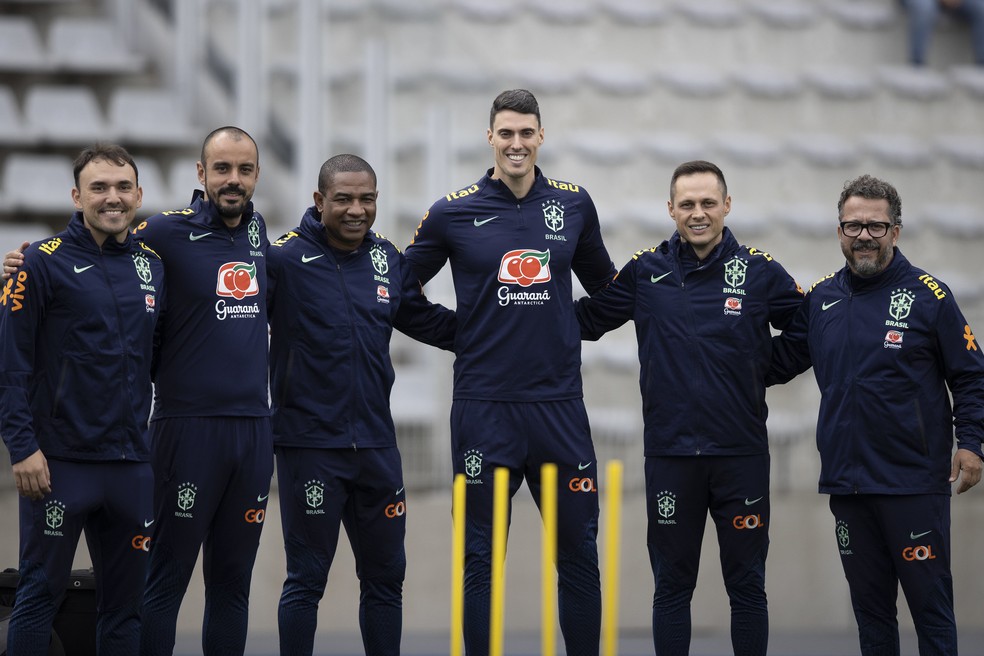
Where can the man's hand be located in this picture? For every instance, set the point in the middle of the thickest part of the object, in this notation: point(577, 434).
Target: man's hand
point(13, 260)
point(967, 467)
point(33, 478)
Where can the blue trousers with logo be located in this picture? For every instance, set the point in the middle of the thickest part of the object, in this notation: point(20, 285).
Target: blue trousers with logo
point(885, 540)
point(212, 483)
point(522, 437)
point(680, 492)
point(321, 490)
point(113, 503)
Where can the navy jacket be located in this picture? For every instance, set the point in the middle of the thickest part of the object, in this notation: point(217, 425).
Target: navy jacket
point(511, 260)
point(704, 342)
point(884, 350)
point(331, 318)
point(213, 356)
point(76, 343)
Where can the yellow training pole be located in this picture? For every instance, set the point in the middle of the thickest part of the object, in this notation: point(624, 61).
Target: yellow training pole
point(457, 565)
point(613, 529)
point(500, 514)
point(548, 509)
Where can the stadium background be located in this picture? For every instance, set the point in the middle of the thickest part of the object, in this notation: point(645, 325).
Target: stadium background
point(790, 98)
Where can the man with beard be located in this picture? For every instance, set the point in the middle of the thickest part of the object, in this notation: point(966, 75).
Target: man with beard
point(77, 326)
point(888, 346)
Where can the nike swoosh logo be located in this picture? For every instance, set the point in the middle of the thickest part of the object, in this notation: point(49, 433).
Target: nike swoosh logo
point(484, 221)
point(148, 522)
point(826, 306)
point(583, 467)
point(916, 536)
point(263, 497)
point(400, 491)
point(753, 501)
point(656, 279)
point(305, 259)
point(193, 237)
point(79, 269)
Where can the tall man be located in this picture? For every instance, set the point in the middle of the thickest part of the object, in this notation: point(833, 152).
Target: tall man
point(513, 238)
point(703, 306)
point(77, 325)
point(888, 346)
point(337, 291)
point(212, 444)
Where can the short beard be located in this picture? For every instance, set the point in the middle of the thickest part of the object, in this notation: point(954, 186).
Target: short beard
point(867, 268)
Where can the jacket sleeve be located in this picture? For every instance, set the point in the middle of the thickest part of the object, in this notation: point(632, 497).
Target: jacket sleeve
point(785, 297)
point(591, 263)
point(428, 250)
point(963, 366)
point(420, 319)
point(791, 349)
point(609, 308)
point(22, 309)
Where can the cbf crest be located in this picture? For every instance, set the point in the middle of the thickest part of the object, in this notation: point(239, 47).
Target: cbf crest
point(553, 215)
point(666, 504)
point(473, 464)
point(843, 538)
point(314, 494)
point(379, 260)
point(734, 272)
point(142, 265)
point(900, 304)
point(54, 514)
point(186, 496)
point(253, 233)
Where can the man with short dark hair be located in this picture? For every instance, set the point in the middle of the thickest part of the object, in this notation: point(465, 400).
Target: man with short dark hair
point(513, 239)
point(703, 308)
point(77, 326)
point(889, 346)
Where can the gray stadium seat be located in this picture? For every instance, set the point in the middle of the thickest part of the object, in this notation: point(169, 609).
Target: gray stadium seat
point(807, 219)
point(13, 128)
point(501, 11)
point(914, 83)
point(91, 45)
point(65, 114)
point(899, 150)
point(673, 147)
point(12, 235)
point(149, 116)
point(569, 12)
point(841, 83)
point(864, 14)
point(156, 194)
point(617, 79)
point(602, 148)
point(182, 179)
point(712, 13)
point(970, 79)
point(749, 149)
point(38, 183)
point(418, 10)
point(768, 81)
point(789, 14)
point(695, 80)
point(962, 149)
point(545, 78)
point(959, 221)
point(825, 150)
point(640, 13)
point(20, 45)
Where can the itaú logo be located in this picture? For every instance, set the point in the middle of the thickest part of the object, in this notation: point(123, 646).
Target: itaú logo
point(582, 485)
point(918, 553)
point(398, 509)
point(255, 516)
point(140, 542)
point(743, 522)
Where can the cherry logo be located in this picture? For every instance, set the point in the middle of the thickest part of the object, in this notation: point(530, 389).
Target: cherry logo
point(733, 303)
point(525, 267)
point(238, 280)
point(893, 336)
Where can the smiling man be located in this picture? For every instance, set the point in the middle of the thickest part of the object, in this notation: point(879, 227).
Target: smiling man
point(703, 306)
point(513, 240)
point(77, 326)
point(889, 347)
point(337, 291)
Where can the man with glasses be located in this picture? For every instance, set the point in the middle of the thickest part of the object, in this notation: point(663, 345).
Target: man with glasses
point(887, 343)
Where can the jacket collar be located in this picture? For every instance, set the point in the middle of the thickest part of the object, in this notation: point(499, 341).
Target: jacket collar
point(896, 269)
point(206, 209)
point(83, 237)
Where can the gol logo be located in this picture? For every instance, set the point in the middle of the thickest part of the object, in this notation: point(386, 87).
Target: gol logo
point(748, 522)
point(918, 553)
point(238, 280)
point(525, 267)
point(582, 485)
point(255, 516)
point(140, 542)
point(398, 509)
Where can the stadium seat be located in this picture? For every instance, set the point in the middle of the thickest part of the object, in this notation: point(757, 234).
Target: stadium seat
point(637, 13)
point(148, 116)
point(768, 82)
point(483, 11)
point(602, 148)
point(20, 46)
point(419, 10)
point(156, 194)
point(970, 79)
point(825, 150)
point(807, 219)
point(545, 78)
point(959, 221)
point(695, 80)
point(898, 150)
point(13, 128)
point(908, 82)
point(841, 82)
point(569, 12)
point(790, 14)
point(966, 150)
point(91, 45)
point(672, 147)
point(712, 13)
point(749, 149)
point(864, 14)
point(38, 183)
point(63, 114)
point(182, 180)
point(617, 79)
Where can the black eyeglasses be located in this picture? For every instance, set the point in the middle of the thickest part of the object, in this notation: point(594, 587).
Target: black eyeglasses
point(876, 229)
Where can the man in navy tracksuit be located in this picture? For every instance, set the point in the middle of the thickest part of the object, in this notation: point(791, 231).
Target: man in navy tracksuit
point(336, 293)
point(703, 306)
point(211, 437)
point(513, 238)
point(888, 346)
point(77, 324)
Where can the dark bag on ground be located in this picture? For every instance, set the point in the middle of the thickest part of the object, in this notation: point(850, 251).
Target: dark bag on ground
point(74, 630)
